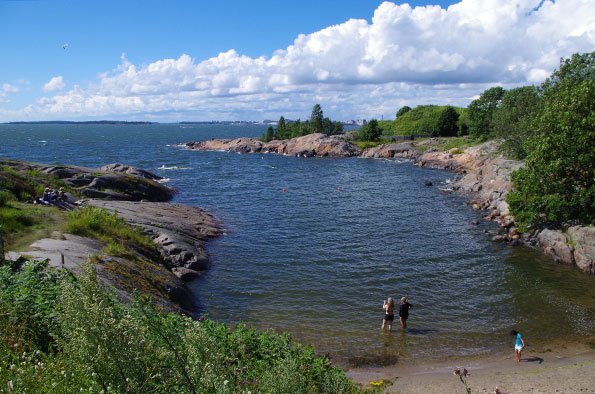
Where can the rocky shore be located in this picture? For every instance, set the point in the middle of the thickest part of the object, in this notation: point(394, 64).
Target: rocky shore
point(482, 174)
point(179, 232)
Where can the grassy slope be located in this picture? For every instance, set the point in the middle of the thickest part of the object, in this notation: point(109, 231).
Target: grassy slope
point(420, 120)
point(58, 334)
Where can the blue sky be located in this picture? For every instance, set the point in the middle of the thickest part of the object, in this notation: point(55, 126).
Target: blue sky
point(167, 61)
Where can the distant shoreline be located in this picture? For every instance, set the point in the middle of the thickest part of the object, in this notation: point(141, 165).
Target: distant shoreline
point(81, 122)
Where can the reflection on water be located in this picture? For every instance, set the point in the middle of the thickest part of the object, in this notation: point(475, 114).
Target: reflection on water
point(317, 259)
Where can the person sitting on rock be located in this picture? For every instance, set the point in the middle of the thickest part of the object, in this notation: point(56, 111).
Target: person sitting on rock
point(46, 198)
point(61, 195)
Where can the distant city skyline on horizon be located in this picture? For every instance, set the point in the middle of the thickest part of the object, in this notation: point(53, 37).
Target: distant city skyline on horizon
point(173, 62)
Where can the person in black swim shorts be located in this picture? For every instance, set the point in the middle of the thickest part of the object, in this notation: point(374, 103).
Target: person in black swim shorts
point(389, 314)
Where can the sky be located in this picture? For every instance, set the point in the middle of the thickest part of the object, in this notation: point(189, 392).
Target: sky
point(174, 60)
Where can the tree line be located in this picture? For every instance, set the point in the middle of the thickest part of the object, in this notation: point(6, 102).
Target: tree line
point(317, 123)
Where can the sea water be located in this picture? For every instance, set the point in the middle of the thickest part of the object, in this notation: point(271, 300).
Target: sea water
point(313, 246)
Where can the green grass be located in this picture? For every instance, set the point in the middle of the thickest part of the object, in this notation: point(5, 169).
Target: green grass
point(21, 224)
point(62, 335)
point(422, 119)
point(447, 143)
point(113, 231)
point(29, 184)
point(372, 144)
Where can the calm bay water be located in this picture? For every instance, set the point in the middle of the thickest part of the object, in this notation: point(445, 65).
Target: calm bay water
point(317, 259)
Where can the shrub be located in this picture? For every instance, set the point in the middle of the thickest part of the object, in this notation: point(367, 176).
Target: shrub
point(5, 197)
point(103, 345)
point(558, 182)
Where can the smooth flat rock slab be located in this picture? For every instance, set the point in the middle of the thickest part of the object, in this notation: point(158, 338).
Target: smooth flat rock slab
point(179, 231)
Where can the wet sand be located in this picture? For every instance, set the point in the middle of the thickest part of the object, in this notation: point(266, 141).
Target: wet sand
point(553, 368)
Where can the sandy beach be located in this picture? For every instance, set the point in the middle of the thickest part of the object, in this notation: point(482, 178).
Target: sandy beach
point(552, 368)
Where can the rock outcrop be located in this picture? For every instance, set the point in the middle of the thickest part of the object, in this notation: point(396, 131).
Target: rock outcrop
point(316, 144)
point(555, 245)
point(405, 150)
point(582, 238)
point(575, 246)
point(114, 181)
point(147, 276)
point(179, 231)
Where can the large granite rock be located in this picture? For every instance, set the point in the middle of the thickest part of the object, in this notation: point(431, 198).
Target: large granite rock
point(114, 182)
point(239, 145)
point(147, 275)
point(555, 245)
point(403, 150)
point(583, 240)
point(316, 144)
point(179, 231)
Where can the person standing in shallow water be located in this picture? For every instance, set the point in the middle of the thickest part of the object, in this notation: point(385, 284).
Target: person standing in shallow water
point(519, 344)
point(389, 314)
point(404, 311)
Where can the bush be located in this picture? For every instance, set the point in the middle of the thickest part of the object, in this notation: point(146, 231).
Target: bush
point(5, 197)
point(557, 183)
point(369, 131)
point(101, 344)
point(14, 220)
point(423, 119)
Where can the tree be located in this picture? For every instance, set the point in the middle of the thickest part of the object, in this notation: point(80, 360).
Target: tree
point(403, 110)
point(481, 110)
point(370, 131)
point(316, 119)
point(447, 123)
point(557, 183)
point(269, 135)
point(281, 123)
point(513, 119)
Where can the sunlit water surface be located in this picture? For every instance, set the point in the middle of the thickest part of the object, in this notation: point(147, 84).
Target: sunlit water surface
point(314, 245)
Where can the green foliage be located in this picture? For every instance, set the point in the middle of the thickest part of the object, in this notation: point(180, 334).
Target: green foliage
point(316, 119)
point(26, 184)
point(269, 135)
point(403, 110)
point(14, 219)
point(481, 112)
point(557, 183)
point(107, 227)
point(447, 122)
point(5, 197)
point(422, 119)
point(369, 131)
point(27, 306)
point(316, 124)
point(513, 119)
point(99, 344)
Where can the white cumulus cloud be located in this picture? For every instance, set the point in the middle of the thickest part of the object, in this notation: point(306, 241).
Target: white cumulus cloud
point(358, 68)
point(56, 83)
point(5, 90)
